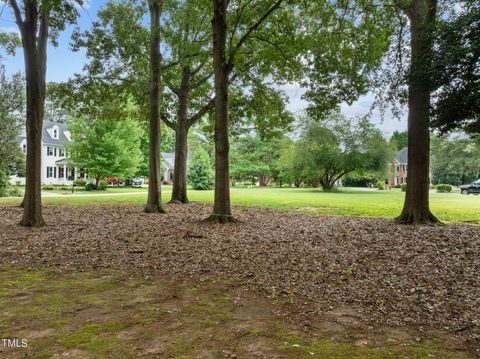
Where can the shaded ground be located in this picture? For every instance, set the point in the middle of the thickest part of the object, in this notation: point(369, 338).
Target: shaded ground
point(103, 314)
point(348, 277)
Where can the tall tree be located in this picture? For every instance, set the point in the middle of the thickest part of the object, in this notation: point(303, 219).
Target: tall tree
point(154, 201)
point(224, 57)
point(118, 57)
point(456, 62)
point(455, 160)
point(254, 157)
point(11, 105)
point(35, 20)
point(332, 148)
point(422, 15)
point(399, 139)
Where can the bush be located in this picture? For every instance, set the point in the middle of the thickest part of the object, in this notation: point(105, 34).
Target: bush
point(90, 187)
point(200, 174)
point(3, 183)
point(80, 182)
point(15, 191)
point(444, 188)
point(403, 186)
point(380, 185)
point(102, 185)
point(48, 187)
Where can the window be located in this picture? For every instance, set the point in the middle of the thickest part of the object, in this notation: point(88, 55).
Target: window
point(55, 133)
point(24, 148)
point(49, 172)
point(61, 172)
point(61, 152)
point(49, 151)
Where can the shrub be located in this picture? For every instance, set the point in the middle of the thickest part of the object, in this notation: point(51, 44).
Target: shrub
point(90, 187)
point(48, 187)
point(102, 185)
point(200, 174)
point(65, 188)
point(403, 186)
point(15, 191)
point(443, 188)
point(3, 183)
point(80, 182)
point(380, 185)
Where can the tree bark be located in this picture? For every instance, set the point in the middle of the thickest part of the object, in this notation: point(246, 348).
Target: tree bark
point(154, 201)
point(34, 42)
point(416, 209)
point(179, 192)
point(222, 212)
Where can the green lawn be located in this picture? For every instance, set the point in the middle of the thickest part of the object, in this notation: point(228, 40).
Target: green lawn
point(449, 207)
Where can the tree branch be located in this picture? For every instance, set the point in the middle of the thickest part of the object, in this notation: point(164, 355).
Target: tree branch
point(252, 30)
point(201, 112)
point(201, 81)
point(169, 123)
point(18, 14)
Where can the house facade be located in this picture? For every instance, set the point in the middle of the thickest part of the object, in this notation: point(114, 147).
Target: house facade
point(399, 168)
point(55, 167)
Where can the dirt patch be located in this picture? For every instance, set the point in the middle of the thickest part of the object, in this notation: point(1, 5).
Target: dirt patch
point(419, 277)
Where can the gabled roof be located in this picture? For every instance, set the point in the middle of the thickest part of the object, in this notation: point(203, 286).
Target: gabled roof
point(402, 156)
point(62, 128)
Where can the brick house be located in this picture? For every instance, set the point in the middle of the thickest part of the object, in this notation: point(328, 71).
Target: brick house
point(399, 168)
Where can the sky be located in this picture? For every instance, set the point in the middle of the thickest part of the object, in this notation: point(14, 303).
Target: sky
point(63, 64)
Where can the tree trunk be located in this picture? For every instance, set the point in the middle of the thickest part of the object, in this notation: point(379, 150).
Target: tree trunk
point(416, 209)
point(154, 202)
point(35, 56)
point(179, 192)
point(222, 212)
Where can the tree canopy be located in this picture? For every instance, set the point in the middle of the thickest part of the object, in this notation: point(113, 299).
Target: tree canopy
point(329, 149)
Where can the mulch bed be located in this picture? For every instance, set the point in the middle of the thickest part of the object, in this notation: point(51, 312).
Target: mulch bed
point(394, 275)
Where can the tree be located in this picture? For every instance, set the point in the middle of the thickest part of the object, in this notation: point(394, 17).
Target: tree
point(455, 161)
point(330, 149)
point(399, 139)
point(118, 57)
point(154, 201)
point(224, 58)
point(11, 106)
point(256, 158)
point(456, 61)
point(36, 20)
point(422, 15)
point(200, 174)
point(105, 147)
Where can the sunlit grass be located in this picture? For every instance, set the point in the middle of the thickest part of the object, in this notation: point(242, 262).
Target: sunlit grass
point(449, 207)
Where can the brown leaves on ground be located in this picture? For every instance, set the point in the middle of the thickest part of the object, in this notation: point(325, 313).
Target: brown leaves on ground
point(418, 276)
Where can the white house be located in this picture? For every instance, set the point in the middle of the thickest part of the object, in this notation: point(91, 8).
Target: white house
point(55, 168)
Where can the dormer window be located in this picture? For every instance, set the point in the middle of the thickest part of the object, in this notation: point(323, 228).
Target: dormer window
point(55, 133)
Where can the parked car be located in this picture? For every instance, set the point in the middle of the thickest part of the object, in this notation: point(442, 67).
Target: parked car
point(473, 188)
point(112, 181)
point(137, 182)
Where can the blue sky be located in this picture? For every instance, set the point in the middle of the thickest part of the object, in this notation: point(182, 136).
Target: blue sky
point(63, 63)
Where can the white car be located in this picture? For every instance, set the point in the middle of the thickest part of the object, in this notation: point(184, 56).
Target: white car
point(137, 182)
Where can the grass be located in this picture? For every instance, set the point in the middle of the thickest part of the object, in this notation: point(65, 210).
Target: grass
point(136, 316)
point(449, 207)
